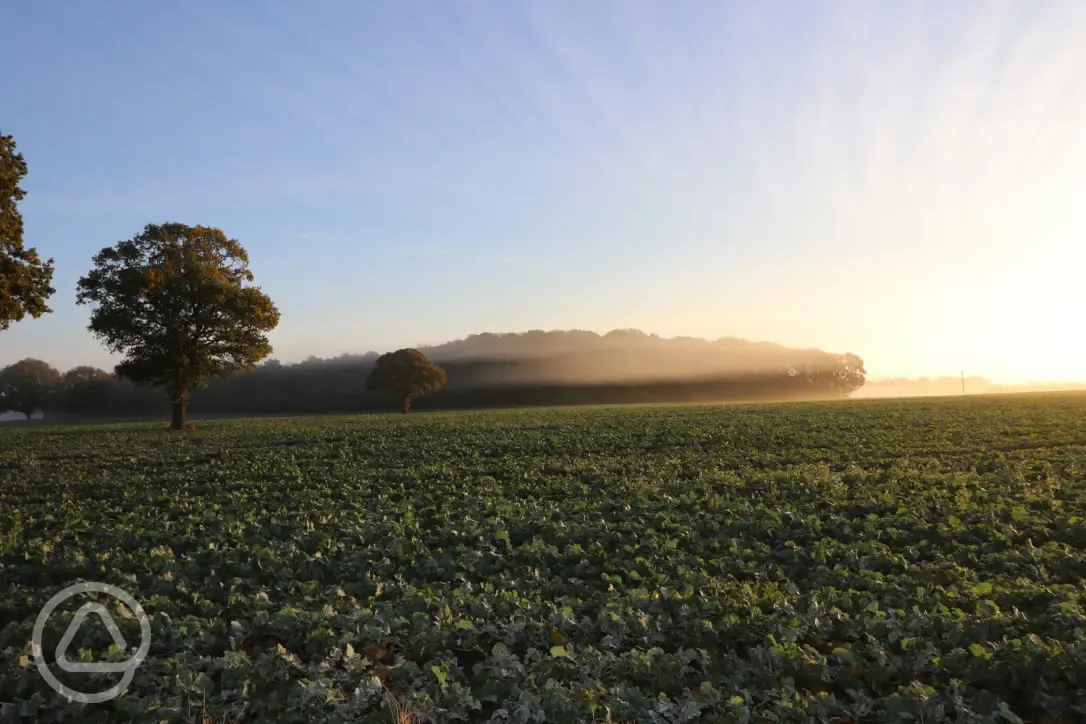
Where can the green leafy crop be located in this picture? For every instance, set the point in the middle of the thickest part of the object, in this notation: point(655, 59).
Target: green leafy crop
point(833, 562)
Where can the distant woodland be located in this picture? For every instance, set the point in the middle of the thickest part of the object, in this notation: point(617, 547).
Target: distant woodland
point(497, 370)
point(180, 306)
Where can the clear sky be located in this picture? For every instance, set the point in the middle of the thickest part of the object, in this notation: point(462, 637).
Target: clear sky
point(903, 180)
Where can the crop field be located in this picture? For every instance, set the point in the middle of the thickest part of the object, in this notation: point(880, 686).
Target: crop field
point(852, 562)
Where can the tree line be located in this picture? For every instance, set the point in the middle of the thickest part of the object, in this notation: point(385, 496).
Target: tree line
point(344, 384)
point(178, 304)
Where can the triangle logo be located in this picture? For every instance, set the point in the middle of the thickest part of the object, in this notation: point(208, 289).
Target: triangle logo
point(94, 666)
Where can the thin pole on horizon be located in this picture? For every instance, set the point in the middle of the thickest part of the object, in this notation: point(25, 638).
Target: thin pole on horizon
point(963, 382)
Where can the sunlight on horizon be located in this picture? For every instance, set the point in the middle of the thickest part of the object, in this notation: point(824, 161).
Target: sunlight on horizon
point(900, 181)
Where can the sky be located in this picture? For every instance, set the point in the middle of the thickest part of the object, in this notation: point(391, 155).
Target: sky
point(899, 180)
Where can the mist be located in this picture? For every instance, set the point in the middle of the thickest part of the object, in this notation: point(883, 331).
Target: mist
point(622, 356)
point(941, 386)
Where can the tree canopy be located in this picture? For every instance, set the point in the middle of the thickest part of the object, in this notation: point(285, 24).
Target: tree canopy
point(85, 374)
point(849, 373)
point(175, 300)
point(25, 280)
point(407, 373)
point(28, 385)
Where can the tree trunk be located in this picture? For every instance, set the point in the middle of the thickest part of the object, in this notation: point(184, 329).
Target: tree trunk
point(180, 414)
point(406, 404)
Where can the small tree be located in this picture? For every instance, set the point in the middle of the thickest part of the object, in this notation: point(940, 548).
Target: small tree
point(408, 374)
point(174, 301)
point(24, 279)
point(87, 390)
point(84, 375)
point(849, 374)
point(28, 385)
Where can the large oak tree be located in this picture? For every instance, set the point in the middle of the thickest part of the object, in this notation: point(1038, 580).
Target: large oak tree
point(408, 374)
point(25, 280)
point(28, 385)
point(175, 301)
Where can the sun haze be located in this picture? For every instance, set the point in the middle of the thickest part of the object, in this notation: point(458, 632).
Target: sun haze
point(899, 180)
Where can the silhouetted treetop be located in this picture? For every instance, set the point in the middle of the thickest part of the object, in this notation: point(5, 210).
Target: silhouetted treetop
point(406, 373)
point(28, 385)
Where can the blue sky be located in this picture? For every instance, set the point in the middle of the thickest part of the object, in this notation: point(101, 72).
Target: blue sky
point(900, 180)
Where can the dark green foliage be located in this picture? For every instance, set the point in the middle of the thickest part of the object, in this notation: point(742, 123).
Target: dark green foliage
point(87, 388)
point(28, 385)
point(84, 375)
point(408, 374)
point(24, 278)
point(174, 300)
point(830, 562)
